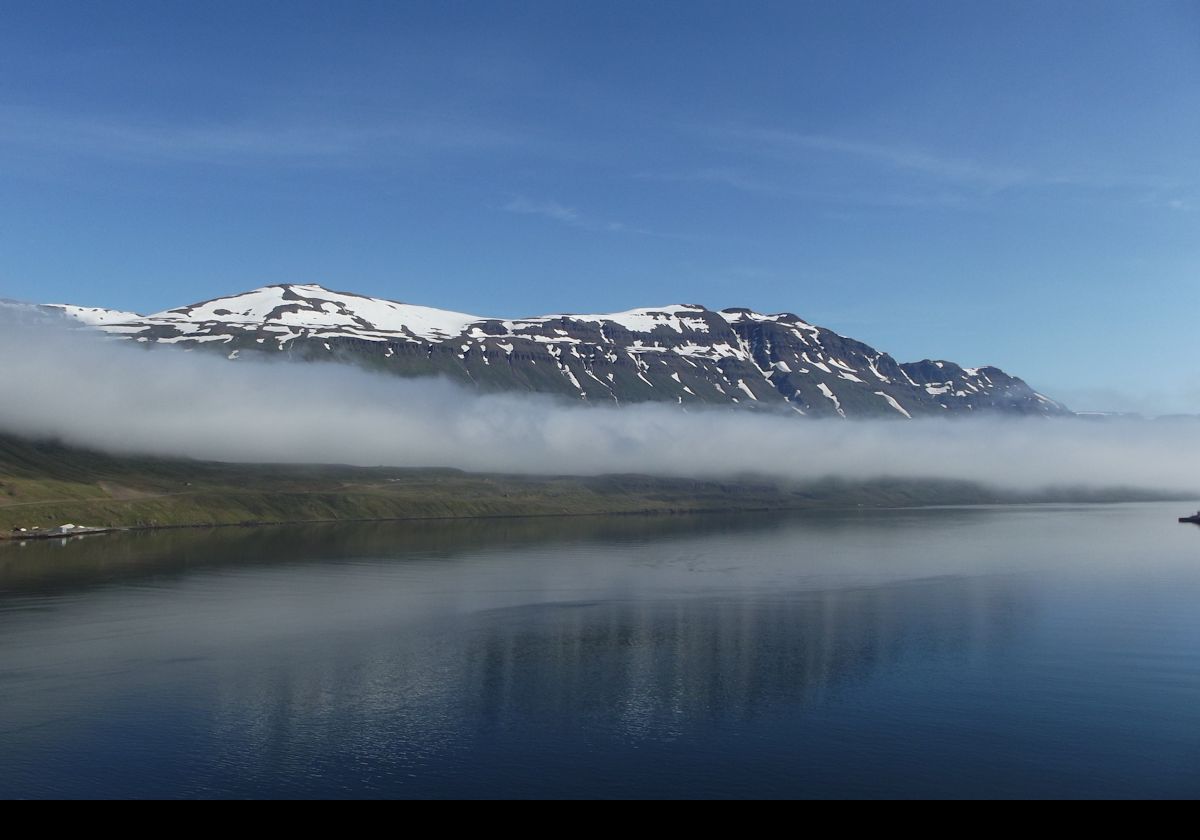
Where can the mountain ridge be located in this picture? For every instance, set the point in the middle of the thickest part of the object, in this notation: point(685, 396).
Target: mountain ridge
point(681, 353)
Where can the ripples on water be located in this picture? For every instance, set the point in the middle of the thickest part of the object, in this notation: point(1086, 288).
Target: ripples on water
point(1046, 651)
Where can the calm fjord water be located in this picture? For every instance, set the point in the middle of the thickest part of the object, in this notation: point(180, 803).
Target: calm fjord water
point(1032, 651)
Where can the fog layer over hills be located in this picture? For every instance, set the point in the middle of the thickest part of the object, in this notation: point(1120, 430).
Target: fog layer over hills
point(121, 398)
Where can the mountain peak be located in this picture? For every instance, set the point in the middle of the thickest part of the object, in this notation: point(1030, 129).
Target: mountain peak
point(679, 353)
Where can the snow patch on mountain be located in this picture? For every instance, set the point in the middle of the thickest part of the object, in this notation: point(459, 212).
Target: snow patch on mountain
point(776, 362)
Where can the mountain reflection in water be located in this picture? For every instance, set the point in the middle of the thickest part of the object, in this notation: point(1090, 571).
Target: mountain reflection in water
point(984, 652)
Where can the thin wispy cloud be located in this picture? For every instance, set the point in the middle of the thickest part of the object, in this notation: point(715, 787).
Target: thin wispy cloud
point(1169, 200)
point(853, 172)
point(776, 146)
point(323, 140)
point(782, 187)
point(780, 143)
point(721, 176)
point(570, 216)
point(546, 209)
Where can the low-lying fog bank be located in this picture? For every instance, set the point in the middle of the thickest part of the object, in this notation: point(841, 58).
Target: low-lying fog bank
point(125, 399)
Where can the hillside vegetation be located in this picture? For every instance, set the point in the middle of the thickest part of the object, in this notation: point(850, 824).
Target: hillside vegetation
point(44, 483)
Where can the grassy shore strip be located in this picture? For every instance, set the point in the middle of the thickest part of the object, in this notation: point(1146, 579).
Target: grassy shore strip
point(45, 484)
point(465, 497)
point(456, 497)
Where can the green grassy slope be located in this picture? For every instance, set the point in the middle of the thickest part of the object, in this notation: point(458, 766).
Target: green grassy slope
point(43, 484)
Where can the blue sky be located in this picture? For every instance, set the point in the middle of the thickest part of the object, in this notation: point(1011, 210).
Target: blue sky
point(996, 183)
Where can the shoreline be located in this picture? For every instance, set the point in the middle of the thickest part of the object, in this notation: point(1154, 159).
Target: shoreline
point(44, 484)
point(648, 512)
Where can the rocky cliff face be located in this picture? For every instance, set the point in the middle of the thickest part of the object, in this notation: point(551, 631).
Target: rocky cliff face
point(684, 354)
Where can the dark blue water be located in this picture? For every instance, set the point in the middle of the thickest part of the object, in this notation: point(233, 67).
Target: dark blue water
point(1019, 652)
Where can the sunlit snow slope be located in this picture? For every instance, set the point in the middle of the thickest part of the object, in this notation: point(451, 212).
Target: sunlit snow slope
point(684, 353)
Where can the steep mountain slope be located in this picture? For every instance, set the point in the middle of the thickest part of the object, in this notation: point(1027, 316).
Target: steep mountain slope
point(684, 353)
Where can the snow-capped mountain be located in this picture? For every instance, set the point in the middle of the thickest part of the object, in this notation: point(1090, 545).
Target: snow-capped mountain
point(684, 353)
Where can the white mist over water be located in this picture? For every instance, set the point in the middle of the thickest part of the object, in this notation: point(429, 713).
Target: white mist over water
point(125, 399)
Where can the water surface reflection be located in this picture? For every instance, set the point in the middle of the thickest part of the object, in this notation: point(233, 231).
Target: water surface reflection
point(955, 652)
